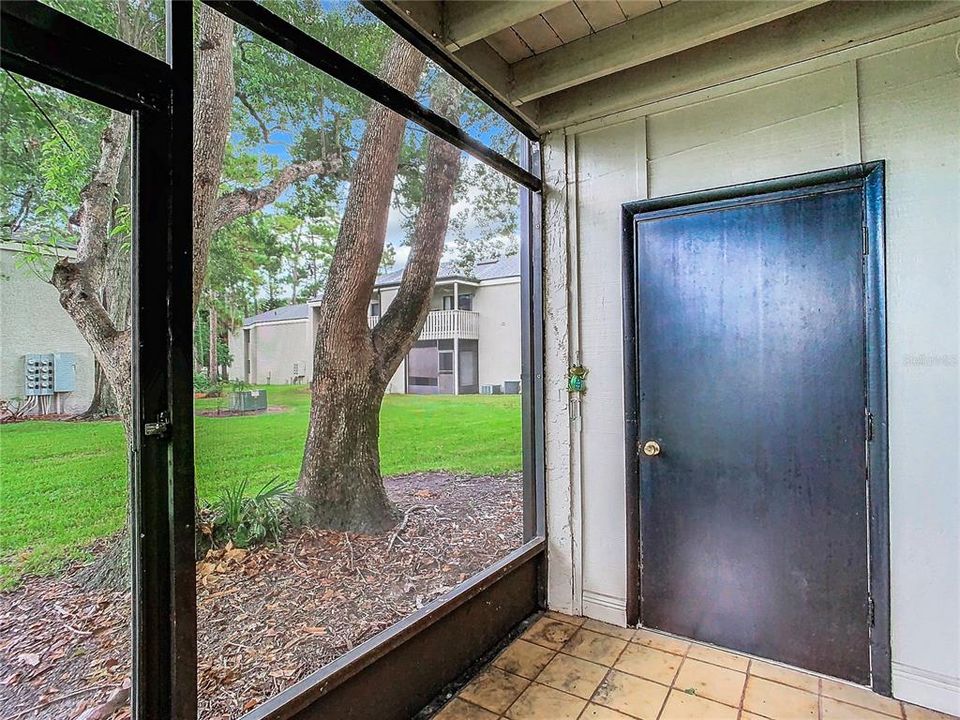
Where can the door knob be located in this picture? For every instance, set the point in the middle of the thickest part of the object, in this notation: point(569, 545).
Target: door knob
point(651, 448)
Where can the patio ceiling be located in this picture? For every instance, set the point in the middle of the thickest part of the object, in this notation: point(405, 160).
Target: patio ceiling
point(561, 62)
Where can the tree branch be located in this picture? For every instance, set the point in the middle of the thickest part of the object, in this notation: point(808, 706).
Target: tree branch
point(264, 130)
point(79, 297)
point(214, 90)
point(96, 198)
point(400, 325)
point(363, 227)
point(245, 201)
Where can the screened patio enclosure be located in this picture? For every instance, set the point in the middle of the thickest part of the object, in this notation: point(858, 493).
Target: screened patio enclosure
point(740, 287)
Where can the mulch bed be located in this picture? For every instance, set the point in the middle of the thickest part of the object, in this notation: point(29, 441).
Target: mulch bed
point(225, 412)
point(267, 617)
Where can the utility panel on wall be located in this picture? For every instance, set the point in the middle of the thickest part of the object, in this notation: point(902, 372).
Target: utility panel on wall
point(49, 373)
point(38, 374)
point(64, 372)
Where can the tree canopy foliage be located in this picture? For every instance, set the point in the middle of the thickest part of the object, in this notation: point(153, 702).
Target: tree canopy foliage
point(284, 112)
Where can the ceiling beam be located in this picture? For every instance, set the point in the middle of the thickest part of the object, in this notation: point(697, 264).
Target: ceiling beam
point(478, 61)
point(466, 21)
point(823, 30)
point(649, 37)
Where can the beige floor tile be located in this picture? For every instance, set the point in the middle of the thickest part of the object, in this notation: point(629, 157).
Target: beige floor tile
point(794, 678)
point(550, 633)
point(831, 709)
point(524, 658)
point(718, 657)
point(661, 642)
point(599, 712)
point(711, 681)
point(553, 614)
point(457, 709)
point(778, 702)
point(861, 696)
point(493, 689)
point(915, 712)
point(682, 706)
point(649, 663)
point(595, 647)
point(573, 675)
point(631, 695)
point(608, 629)
point(750, 716)
point(539, 702)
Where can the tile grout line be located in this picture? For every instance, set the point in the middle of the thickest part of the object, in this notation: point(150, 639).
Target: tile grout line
point(743, 692)
point(610, 669)
point(683, 659)
point(820, 698)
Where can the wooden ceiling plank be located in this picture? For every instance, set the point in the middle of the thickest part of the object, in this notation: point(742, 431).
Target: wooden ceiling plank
point(537, 34)
point(466, 21)
point(823, 30)
point(569, 23)
point(636, 8)
point(641, 40)
point(479, 59)
point(507, 44)
point(601, 14)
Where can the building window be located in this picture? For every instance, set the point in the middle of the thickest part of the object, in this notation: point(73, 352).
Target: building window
point(375, 309)
point(446, 361)
point(466, 302)
point(448, 302)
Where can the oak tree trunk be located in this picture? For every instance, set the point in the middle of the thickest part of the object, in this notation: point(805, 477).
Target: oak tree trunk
point(103, 404)
point(340, 475)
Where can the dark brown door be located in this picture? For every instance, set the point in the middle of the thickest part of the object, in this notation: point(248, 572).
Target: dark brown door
point(752, 379)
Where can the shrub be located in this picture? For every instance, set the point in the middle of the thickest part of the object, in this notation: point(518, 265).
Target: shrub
point(247, 520)
point(201, 383)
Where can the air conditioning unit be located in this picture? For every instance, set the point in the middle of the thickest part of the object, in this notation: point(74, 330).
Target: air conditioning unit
point(491, 390)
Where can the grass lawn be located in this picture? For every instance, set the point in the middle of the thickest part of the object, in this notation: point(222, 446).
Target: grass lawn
point(63, 484)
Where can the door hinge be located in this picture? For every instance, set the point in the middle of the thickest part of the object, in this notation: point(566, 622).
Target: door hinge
point(160, 428)
point(866, 239)
point(871, 611)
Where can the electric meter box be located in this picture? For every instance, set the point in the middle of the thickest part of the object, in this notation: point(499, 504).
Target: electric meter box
point(38, 374)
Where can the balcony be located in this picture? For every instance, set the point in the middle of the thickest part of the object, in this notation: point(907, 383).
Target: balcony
point(446, 325)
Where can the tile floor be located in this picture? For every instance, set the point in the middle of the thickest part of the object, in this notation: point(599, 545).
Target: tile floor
point(565, 668)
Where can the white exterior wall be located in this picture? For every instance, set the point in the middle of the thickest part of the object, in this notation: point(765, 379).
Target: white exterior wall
point(274, 347)
point(896, 100)
point(235, 370)
point(33, 321)
point(498, 304)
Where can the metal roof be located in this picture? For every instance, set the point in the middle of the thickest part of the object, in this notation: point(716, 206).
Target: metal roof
point(287, 312)
point(493, 269)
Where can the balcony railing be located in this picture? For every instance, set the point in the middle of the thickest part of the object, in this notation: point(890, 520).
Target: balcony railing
point(446, 325)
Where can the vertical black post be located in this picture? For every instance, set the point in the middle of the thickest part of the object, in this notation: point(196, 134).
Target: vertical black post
point(531, 333)
point(164, 611)
point(150, 531)
point(182, 488)
point(628, 286)
point(878, 447)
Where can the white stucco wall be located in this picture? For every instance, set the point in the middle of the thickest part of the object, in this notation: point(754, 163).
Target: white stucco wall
point(274, 347)
point(32, 321)
point(498, 304)
point(897, 100)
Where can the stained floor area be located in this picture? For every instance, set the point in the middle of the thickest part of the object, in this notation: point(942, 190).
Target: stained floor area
point(565, 668)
